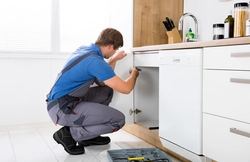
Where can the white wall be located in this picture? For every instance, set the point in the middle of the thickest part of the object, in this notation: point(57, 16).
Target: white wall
point(208, 12)
point(26, 79)
point(122, 19)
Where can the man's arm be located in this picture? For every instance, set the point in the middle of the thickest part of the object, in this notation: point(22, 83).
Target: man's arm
point(112, 62)
point(123, 86)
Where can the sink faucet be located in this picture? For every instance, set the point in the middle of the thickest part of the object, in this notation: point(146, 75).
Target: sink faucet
point(181, 25)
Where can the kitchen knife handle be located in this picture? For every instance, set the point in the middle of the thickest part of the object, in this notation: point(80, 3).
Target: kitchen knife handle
point(172, 23)
point(167, 25)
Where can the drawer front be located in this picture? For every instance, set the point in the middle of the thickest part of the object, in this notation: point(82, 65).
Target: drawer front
point(226, 93)
point(148, 60)
point(225, 140)
point(227, 57)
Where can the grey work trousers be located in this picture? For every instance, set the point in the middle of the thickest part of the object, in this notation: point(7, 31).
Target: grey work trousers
point(91, 116)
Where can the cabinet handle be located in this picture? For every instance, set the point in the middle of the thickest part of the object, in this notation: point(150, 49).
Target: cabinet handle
point(238, 80)
point(240, 54)
point(239, 132)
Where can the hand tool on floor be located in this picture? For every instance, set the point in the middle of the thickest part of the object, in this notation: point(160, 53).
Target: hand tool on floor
point(139, 158)
point(136, 158)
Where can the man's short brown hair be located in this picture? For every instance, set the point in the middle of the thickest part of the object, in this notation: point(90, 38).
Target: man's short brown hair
point(110, 36)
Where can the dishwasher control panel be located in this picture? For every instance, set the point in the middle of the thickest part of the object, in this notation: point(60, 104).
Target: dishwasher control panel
point(186, 57)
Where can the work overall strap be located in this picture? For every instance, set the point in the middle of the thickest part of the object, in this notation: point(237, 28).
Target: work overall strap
point(70, 66)
point(68, 102)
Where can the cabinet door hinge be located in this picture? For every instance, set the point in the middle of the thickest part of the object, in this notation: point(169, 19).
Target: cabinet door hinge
point(136, 111)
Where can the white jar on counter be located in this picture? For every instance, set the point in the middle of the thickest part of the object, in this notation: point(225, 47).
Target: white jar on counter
point(218, 31)
point(248, 27)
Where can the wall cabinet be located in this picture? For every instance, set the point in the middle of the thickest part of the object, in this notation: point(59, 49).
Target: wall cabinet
point(226, 91)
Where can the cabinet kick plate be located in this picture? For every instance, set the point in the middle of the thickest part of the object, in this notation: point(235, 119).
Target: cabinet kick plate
point(136, 111)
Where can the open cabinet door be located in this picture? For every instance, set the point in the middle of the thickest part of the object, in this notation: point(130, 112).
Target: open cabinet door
point(124, 102)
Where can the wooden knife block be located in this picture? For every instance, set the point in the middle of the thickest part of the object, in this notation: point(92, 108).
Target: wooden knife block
point(173, 36)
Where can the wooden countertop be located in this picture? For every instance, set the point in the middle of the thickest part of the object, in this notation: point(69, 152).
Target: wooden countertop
point(187, 45)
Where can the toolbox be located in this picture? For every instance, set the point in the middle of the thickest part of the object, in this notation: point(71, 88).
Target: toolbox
point(138, 155)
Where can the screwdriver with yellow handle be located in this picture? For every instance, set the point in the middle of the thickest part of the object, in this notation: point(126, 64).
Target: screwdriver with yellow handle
point(136, 158)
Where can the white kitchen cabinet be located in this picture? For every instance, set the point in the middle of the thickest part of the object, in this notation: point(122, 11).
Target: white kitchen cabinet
point(227, 57)
point(225, 94)
point(146, 91)
point(222, 145)
point(226, 91)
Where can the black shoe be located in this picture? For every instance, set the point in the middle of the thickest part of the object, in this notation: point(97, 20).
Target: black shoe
point(95, 141)
point(63, 137)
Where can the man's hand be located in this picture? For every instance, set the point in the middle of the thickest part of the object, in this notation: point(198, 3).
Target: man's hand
point(119, 55)
point(134, 71)
point(123, 86)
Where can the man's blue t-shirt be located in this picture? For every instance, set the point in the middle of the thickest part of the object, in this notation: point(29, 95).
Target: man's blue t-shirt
point(91, 67)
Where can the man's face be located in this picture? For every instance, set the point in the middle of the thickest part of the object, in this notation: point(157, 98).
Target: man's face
point(110, 51)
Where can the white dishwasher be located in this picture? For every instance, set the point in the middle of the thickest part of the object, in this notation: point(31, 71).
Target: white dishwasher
point(180, 102)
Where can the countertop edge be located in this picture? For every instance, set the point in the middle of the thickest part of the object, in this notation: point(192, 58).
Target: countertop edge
point(187, 45)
